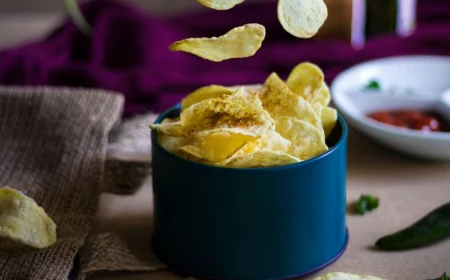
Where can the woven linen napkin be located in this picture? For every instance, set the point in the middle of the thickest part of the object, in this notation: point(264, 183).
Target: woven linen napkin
point(52, 147)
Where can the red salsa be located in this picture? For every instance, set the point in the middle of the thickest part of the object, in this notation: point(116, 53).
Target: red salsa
point(413, 119)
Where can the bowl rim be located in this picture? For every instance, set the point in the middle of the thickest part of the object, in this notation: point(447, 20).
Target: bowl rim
point(362, 119)
point(342, 140)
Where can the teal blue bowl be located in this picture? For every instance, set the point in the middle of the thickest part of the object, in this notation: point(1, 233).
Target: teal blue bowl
point(250, 223)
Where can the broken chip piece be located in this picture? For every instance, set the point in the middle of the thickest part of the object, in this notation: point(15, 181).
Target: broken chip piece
point(301, 18)
point(22, 220)
point(239, 42)
point(220, 4)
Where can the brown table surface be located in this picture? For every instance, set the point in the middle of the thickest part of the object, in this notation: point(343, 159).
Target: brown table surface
point(407, 189)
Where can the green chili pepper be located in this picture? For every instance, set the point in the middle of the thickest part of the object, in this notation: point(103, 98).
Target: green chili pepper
point(432, 228)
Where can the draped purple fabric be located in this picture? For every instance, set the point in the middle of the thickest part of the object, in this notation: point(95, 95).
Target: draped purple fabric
point(129, 53)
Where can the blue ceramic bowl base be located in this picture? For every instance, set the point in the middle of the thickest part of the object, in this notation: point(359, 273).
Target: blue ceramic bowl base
point(183, 273)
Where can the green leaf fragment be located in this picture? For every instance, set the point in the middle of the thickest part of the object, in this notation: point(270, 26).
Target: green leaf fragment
point(443, 277)
point(373, 85)
point(366, 203)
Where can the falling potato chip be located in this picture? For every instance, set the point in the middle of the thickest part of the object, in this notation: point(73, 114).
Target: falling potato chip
point(329, 118)
point(239, 42)
point(23, 221)
point(237, 115)
point(279, 101)
point(306, 140)
point(216, 146)
point(302, 18)
point(220, 4)
point(204, 93)
point(345, 276)
point(263, 158)
point(306, 80)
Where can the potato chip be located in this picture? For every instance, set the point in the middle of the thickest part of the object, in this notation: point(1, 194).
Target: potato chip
point(302, 18)
point(250, 94)
point(204, 93)
point(306, 140)
point(317, 108)
point(220, 4)
point(272, 141)
point(323, 96)
point(239, 42)
point(263, 158)
point(329, 119)
point(345, 276)
point(216, 146)
point(279, 101)
point(174, 128)
point(232, 115)
point(23, 221)
point(306, 80)
point(171, 143)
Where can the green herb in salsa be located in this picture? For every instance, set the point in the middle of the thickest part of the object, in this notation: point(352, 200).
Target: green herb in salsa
point(373, 85)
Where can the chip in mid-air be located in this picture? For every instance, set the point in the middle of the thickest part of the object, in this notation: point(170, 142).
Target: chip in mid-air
point(301, 18)
point(220, 4)
point(239, 42)
point(22, 220)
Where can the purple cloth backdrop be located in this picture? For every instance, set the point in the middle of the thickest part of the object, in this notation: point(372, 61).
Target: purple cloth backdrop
point(129, 52)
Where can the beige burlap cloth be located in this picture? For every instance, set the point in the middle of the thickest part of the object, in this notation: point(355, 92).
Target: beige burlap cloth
point(52, 147)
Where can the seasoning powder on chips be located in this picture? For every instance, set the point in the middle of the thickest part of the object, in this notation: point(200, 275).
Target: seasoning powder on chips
point(276, 123)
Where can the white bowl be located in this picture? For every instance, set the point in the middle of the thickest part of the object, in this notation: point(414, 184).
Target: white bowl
point(426, 76)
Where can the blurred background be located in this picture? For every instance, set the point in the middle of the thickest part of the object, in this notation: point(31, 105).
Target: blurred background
point(25, 19)
point(28, 19)
point(128, 49)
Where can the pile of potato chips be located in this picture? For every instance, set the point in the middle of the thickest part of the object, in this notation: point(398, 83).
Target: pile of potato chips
point(277, 123)
point(300, 18)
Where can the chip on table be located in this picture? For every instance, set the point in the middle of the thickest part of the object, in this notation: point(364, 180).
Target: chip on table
point(346, 276)
point(23, 221)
